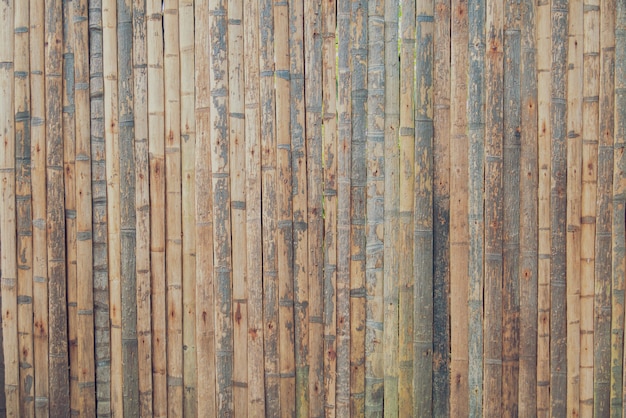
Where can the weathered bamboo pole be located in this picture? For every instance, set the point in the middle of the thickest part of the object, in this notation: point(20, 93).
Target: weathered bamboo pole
point(156, 150)
point(344, 155)
point(205, 298)
point(476, 134)
point(188, 144)
point(358, 177)
point(23, 199)
point(142, 208)
point(459, 210)
point(102, 328)
point(603, 267)
point(423, 250)
point(8, 221)
point(55, 213)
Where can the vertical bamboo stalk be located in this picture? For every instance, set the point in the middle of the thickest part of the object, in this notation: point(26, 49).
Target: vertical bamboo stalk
point(22, 109)
point(344, 155)
point(205, 325)
point(156, 150)
point(220, 164)
point(269, 214)
point(603, 361)
point(142, 208)
point(358, 178)
point(574, 193)
point(374, 227)
point(99, 208)
point(544, 126)
point(459, 210)
point(236, 122)
point(406, 282)
point(423, 238)
point(8, 225)
point(330, 208)
point(188, 144)
point(55, 212)
point(254, 243)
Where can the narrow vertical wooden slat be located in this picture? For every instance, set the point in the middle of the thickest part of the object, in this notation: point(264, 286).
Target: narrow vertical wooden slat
point(8, 221)
point(24, 228)
point(423, 249)
point(58, 378)
point(188, 144)
point(205, 325)
point(358, 177)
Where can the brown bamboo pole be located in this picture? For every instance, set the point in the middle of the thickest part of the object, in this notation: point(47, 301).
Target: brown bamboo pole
point(8, 221)
point(459, 231)
point(156, 150)
point(574, 194)
point(254, 251)
point(188, 144)
point(603, 381)
point(55, 213)
point(99, 207)
point(544, 126)
point(142, 208)
point(406, 282)
point(358, 174)
point(344, 155)
point(205, 325)
point(220, 149)
point(24, 229)
point(236, 122)
point(330, 201)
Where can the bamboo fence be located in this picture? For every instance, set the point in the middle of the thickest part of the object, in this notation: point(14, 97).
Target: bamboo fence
point(312, 208)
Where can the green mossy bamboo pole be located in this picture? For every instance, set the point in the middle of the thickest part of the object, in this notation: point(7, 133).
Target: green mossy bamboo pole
point(142, 207)
point(55, 212)
point(205, 325)
point(358, 178)
point(423, 250)
point(22, 110)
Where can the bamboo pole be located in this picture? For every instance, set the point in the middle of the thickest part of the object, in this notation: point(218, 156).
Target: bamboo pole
point(330, 201)
point(8, 221)
point(344, 155)
point(459, 210)
point(156, 150)
point(254, 251)
point(269, 211)
point(604, 380)
point(358, 176)
point(188, 144)
point(423, 249)
point(544, 126)
point(406, 281)
point(374, 209)
point(22, 109)
point(99, 222)
point(205, 325)
point(142, 208)
point(55, 212)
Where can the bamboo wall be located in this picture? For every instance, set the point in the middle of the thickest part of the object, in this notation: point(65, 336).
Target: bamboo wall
point(312, 208)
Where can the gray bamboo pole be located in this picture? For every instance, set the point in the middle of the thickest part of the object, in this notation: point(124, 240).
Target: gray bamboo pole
point(344, 155)
point(188, 144)
point(205, 325)
point(423, 249)
point(102, 334)
point(142, 208)
point(24, 228)
point(8, 221)
point(374, 209)
point(58, 379)
point(358, 176)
